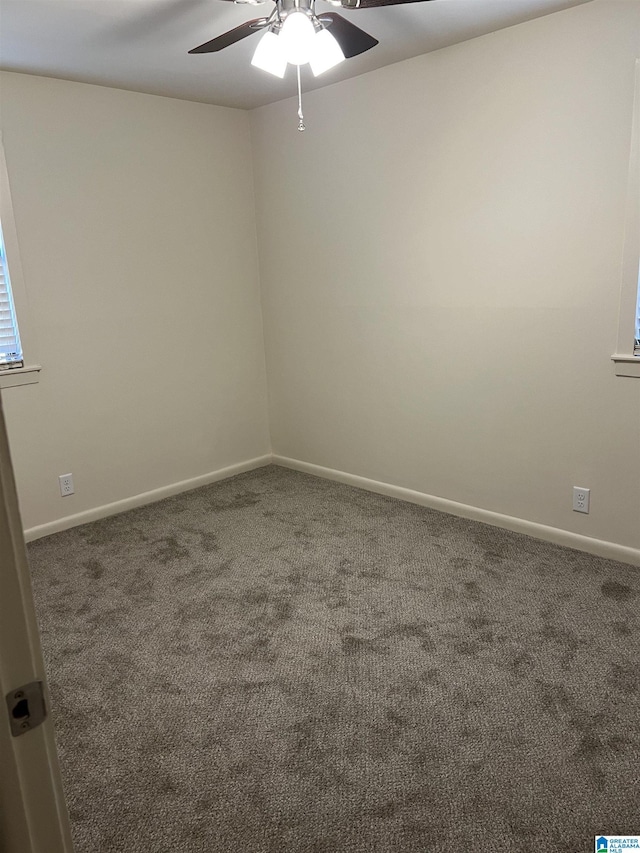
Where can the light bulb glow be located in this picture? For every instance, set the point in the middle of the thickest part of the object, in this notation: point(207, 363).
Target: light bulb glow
point(326, 52)
point(269, 55)
point(298, 38)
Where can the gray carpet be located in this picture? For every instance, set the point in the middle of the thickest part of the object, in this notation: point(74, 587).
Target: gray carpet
point(280, 663)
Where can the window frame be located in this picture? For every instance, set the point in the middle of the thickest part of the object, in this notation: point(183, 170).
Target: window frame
point(7, 362)
point(29, 374)
point(626, 363)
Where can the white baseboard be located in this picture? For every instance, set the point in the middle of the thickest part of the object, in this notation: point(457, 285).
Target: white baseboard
point(599, 547)
point(145, 498)
point(539, 531)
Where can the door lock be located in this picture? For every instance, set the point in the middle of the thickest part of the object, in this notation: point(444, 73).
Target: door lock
point(26, 708)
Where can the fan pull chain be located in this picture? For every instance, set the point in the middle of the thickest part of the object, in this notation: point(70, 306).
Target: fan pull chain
point(301, 125)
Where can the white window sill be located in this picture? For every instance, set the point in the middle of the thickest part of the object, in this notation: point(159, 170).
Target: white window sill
point(28, 375)
point(626, 365)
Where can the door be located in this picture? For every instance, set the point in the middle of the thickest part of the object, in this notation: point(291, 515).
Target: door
point(33, 815)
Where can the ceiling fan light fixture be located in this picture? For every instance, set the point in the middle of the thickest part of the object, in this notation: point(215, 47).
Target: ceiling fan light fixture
point(269, 55)
point(327, 53)
point(298, 38)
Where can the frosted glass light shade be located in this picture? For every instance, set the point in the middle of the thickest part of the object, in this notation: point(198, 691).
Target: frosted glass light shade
point(269, 55)
point(326, 52)
point(298, 38)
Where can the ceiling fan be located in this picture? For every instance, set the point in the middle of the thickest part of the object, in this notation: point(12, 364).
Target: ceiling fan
point(295, 34)
point(352, 39)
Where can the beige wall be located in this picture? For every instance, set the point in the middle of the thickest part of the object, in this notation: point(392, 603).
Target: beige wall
point(440, 262)
point(135, 218)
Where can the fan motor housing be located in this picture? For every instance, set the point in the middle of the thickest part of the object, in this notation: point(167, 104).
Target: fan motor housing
point(287, 6)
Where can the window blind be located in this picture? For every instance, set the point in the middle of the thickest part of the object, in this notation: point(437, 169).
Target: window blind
point(10, 348)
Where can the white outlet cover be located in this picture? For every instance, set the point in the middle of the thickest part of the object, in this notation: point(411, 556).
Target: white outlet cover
point(581, 499)
point(66, 484)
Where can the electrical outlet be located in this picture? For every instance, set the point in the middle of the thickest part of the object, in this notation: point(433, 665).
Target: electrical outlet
point(66, 484)
point(581, 499)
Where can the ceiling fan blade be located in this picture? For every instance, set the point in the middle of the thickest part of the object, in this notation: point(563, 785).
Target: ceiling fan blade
point(351, 39)
point(372, 4)
point(231, 37)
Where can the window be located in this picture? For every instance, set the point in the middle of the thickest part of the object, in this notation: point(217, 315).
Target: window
point(17, 350)
point(627, 355)
point(10, 346)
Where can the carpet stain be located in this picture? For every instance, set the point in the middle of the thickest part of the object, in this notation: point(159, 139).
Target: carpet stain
point(208, 541)
point(243, 500)
point(168, 550)
point(625, 677)
point(471, 590)
point(409, 631)
point(255, 597)
point(616, 590)
point(553, 698)
point(479, 622)
point(520, 664)
point(431, 676)
point(466, 647)
point(283, 609)
point(357, 645)
point(564, 639)
point(93, 569)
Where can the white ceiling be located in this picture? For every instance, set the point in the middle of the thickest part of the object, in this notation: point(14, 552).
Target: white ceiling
point(142, 44)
